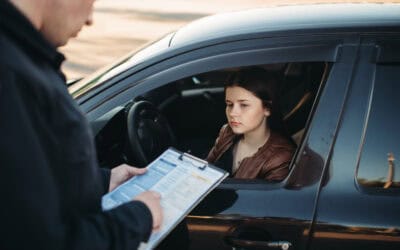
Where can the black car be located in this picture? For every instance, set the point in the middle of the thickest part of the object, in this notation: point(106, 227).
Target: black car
point(339, 67)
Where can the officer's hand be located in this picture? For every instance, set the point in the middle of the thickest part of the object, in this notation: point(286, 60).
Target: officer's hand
point(122, 173)
point(152, 201)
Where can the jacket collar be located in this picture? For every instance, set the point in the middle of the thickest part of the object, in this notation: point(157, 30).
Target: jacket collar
point(16, 25)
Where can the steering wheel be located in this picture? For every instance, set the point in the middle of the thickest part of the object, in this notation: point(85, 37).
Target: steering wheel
point(149, 133)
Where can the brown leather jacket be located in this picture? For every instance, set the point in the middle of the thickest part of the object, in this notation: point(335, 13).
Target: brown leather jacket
point(270, 162)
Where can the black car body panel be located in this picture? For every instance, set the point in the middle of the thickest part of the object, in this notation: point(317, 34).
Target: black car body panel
point(332, 198)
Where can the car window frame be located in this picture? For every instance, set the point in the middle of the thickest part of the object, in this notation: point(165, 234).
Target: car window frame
point(386, 51)
point(324, 48)
point(261, 49)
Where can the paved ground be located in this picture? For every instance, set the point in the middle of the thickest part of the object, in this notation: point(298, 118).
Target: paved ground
point(121, 26)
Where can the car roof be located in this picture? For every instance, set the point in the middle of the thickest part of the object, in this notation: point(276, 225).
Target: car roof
point(289, 18)
point(249, 24)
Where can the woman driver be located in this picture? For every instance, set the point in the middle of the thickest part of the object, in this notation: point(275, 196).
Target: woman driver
point(253, 143)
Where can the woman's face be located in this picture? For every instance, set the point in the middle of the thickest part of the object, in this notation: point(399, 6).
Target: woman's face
point(244, 111)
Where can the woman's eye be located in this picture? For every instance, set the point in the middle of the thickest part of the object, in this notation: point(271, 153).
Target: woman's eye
point(244, 105)
point(229, 105)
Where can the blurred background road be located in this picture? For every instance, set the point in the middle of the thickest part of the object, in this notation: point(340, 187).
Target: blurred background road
point(121, 26)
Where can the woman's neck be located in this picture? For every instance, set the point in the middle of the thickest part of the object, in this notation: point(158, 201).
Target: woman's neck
point(257, 138)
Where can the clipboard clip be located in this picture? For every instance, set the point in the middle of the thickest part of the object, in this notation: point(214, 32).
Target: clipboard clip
point(203, 163)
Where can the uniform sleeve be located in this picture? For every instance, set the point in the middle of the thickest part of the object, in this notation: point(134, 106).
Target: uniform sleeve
point(31, 214)
point(106, 175)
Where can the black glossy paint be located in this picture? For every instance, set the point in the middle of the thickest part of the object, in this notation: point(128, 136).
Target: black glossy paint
point(349, 215)
point(320, 205)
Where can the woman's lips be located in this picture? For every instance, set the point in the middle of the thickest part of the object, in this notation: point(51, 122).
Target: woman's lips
point(235, 124)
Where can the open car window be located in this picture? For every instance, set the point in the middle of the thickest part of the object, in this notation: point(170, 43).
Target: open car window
point(194, 107)
point(199, 94)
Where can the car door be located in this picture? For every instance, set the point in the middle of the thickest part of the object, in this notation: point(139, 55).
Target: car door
point(255, 214)
point(359, 207)
point(249, 214)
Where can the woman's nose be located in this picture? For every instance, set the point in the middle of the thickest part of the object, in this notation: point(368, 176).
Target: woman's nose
point(234, 111)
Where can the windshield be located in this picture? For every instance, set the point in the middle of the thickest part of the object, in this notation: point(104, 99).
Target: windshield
point(133, 58)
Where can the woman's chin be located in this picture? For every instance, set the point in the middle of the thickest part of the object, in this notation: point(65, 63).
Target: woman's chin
point(237, 130)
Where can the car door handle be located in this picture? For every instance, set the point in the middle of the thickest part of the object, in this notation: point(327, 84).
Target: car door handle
point(243, 243)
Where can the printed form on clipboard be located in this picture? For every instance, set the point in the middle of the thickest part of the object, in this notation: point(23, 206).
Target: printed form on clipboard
point(182, 180)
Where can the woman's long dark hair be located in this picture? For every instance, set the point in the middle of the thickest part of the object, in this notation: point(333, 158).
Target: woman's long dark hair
point(264, 85)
